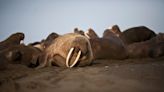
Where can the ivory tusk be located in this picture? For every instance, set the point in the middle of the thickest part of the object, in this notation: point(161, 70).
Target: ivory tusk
point(22, 41)
point(68, 57)
point(76, 60)
point(86, 34)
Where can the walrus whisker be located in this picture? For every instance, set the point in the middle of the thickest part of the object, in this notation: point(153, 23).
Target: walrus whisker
point(76, 60)
point(68, 57)
point(86, 34)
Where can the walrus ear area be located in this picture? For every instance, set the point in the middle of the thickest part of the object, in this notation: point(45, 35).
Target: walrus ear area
point(14, 56)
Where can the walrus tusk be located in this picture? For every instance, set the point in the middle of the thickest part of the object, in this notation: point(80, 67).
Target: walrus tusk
point(68, 56)
point(76, 60)
point(22, 41)
point(86, 34)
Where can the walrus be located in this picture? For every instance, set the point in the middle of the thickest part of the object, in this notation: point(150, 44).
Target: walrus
point(45, 42)
point(134, 34)
point(76, 30)
point(157, 50)
point(3, 61)
point(108, 34)
point(115, 29)
point(91, 34)
point(102, 47)
point(107, 49)
point(14, 39)
point(67, 50)
point(149, 48)
point(21, 54)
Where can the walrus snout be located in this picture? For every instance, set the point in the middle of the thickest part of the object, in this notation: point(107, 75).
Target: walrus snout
point(79, 51)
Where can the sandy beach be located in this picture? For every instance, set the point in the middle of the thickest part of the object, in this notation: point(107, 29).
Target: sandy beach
point(130, 75)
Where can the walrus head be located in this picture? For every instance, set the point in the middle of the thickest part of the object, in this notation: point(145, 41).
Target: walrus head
point(68, 50)
point(16, 38)
point(91, 34)
point(115, 29)
point(76, 30)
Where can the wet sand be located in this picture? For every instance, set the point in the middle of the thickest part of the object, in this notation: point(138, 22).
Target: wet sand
point(131, 75)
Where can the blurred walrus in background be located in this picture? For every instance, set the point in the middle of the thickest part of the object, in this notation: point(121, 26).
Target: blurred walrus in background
point(21, 54)
point(108, 47)
point(67, 50)
point(45, 43)
point(134, 34)
point(91, 34)
point(14, 39)
point(150, 48)
point(3, 61)
point(157, 50)
point(76, 30)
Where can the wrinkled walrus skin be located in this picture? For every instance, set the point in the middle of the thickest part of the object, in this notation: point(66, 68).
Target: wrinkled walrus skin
point(58, 51)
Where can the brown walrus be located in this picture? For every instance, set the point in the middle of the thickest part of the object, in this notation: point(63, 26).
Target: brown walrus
point(91, 34)
point(157, 50)
point(76, 30)
point(68, 50)
point(21, 54)
point(134, 34)
point(149, 48)
point(108, 34)
point(3, 61)
point(108, 47)
point(12, 40)
point(45, 43)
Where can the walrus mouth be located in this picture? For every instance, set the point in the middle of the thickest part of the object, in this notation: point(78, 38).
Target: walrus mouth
point(87, 34)
point(69, 56)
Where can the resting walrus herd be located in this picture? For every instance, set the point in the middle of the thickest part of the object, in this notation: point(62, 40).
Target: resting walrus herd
point(81, 48)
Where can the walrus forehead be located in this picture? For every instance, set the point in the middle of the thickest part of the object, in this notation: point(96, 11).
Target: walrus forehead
point(70, 37)
point(67, 41)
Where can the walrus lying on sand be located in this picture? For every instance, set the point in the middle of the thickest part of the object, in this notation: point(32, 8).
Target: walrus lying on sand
point(134, 34)
point(21, 54)
point(67, 50)
point(150, 48)
point(108, 47)
point(14, 39)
